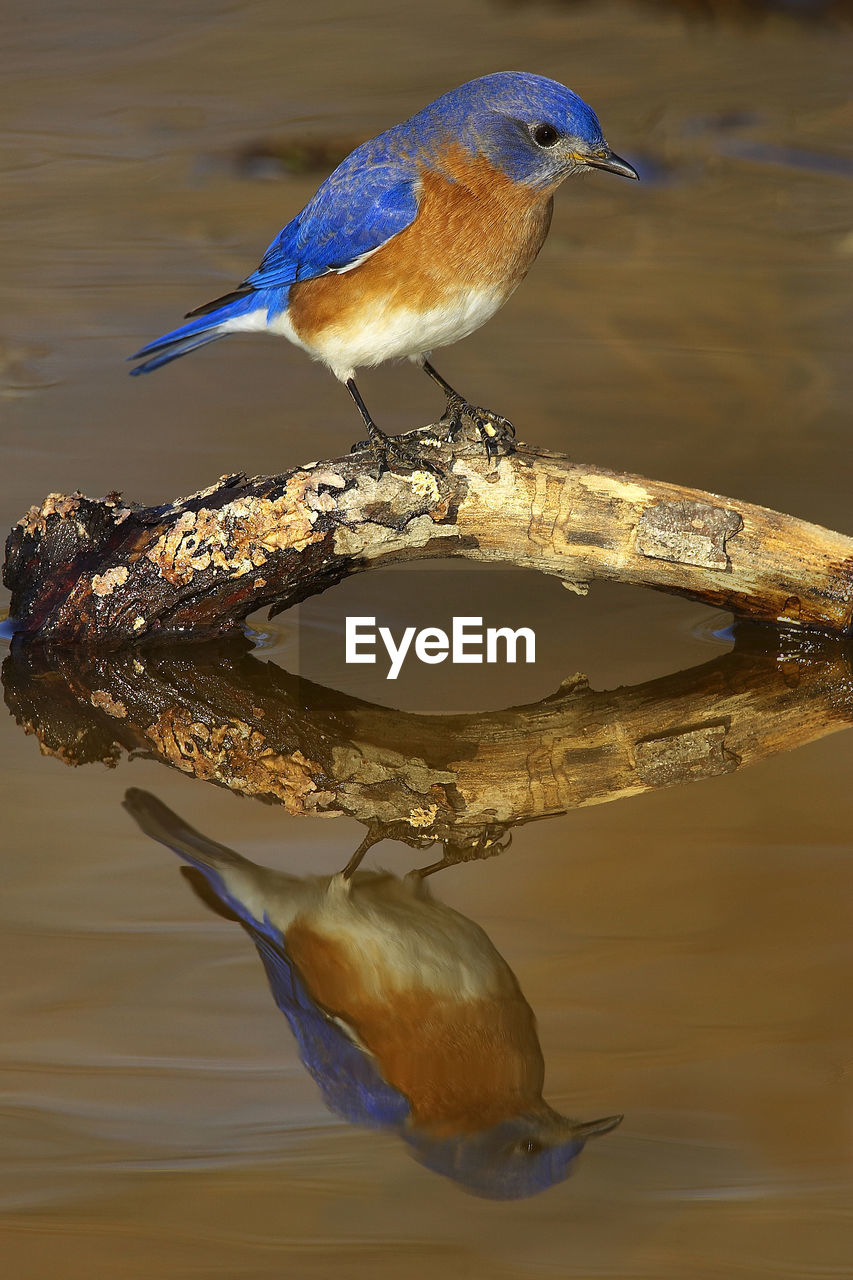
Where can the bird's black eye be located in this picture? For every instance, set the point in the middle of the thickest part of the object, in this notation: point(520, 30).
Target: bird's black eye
point(528, 1147)
point(544, 135)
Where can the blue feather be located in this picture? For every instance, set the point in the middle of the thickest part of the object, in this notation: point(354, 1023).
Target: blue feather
point(172, 350)
point(205, 328)
point(356, 210)
point(369, 198)
point(347, 1076)
point(373, 194)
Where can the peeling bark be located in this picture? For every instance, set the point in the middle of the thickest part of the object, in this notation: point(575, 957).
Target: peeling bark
point(102, 574)
point(223, 717)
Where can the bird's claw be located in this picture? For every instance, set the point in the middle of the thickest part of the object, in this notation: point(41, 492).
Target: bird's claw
point(492, 841)
point(496, 432)
point(397, 453)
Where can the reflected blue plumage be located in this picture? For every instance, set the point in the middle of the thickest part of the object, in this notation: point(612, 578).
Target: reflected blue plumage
point(404, 1013)
point(348, 1078)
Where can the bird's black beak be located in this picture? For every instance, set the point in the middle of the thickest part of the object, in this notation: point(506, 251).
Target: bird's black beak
point(613, 164)
point(595, 1128)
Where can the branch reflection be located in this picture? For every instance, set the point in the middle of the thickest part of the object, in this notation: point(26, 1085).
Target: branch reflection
point(222, 716)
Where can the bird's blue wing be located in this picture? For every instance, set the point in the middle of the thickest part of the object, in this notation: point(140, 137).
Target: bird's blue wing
point(370, 197)
point(348, 1077)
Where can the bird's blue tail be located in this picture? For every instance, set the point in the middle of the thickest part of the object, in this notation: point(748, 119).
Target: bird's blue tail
point(207, 324)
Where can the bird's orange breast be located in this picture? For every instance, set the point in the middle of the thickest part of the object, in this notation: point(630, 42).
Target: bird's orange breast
point(475, 229)
point(464, 1065)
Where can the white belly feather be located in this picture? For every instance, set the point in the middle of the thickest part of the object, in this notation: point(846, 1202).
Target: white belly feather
point(385, 333)
point(396, 934)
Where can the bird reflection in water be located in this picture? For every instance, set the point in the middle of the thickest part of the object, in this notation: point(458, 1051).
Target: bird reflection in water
point(405, 1014)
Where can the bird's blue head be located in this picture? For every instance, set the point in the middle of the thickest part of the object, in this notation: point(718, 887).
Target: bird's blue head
point(514, 1159)
point(530, 128)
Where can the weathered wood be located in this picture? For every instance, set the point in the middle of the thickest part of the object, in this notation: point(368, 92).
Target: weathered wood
point(105, 574)
point(222, 716)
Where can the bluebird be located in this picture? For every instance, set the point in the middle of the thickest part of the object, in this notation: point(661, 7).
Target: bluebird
point(416, 239)
point(404, 1013)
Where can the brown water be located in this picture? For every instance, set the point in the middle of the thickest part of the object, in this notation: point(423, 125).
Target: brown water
point(687, 951)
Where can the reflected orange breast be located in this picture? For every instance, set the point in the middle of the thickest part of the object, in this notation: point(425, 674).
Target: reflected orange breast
point(463, 1065)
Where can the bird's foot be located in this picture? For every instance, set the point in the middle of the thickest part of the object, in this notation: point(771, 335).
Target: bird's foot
point(397, 453)
point(496, 432)
point(493, 841)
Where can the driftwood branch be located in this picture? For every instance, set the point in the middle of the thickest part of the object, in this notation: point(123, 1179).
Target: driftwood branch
point(224, 717)
point(105, 573)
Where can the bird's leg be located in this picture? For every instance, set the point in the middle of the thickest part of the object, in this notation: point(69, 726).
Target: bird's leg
point(375, 833)
point(376, 439)
point(494, 429)
point(391, 452)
